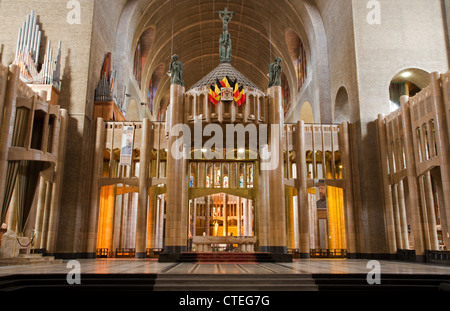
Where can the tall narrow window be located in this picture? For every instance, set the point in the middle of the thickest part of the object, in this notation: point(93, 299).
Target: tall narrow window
point(209, 175)
point(433, 137)
point(427, 145)
point(249, 175)
point(419, 143)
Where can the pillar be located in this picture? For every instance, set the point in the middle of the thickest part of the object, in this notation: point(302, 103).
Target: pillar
point(40, 212)
point(434, 244)
point(225, 214)
point(143, 205)
point(411, 181)
point(97, 168)
point(302, 194)
point(48, 196)
point(424, 218)
point(207, 214)
point(386, 161)
point(7, 119)
point(53, 219)
point(245, 210)
point(177, 204)
point(262, 210)
point(443, 134)
point(239, 216)
point(403, 218)
point(349, 213)
point(277, 221)
point(397, 224)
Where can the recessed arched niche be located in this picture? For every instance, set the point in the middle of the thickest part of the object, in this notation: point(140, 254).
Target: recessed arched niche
point(341, 106)
point(408, 82)
point(306, 113)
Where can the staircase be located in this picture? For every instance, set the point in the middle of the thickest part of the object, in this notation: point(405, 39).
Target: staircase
point(226, 257)
point(234, 282)
point(388, 282)
point(29, 259)
point(181, 282)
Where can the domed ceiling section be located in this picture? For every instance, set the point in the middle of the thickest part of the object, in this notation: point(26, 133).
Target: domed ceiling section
point(225, 70)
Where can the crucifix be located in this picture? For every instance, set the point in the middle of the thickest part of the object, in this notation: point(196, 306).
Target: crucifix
point(226, 17)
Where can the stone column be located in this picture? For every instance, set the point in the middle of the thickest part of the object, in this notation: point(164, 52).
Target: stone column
point(225, 215)
point(434, 244)
point(194, 218)
point(413, 200)
point(444, 152)
point(262, 210)
point(7, 119)
point(48, 196)
point(245, 210)
point(97, 168)
point(143, 206)
point(302, 194)
point(40, 212)
point(344, 141)
point(387, 188)
point(57, 185)
point(403, 219)
point(161, 220)
point(207, 214)
point(278, 240)
point(238, 215)
point(397, 224)
point(424, 219)
point(176, 219)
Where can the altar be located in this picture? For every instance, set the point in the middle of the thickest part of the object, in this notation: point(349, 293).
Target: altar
point(207, 243)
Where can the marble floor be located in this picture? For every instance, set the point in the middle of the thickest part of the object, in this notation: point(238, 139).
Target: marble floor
point(306, 266)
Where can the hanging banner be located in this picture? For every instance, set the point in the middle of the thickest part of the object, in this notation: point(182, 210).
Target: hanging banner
point(126, 150)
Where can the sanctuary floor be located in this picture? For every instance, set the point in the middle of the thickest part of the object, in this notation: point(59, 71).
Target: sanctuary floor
point(302, 266)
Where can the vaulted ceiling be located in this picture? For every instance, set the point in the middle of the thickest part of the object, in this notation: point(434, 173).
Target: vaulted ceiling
point(192, 28)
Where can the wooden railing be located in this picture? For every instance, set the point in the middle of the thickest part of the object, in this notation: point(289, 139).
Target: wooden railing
point(153, 252)
point(102, 253)
point(328, 253)
point(125, 253)
point(406, 254)
point(440, 257)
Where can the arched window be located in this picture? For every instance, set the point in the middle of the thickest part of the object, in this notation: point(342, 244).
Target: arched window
point(286, 93)
point(297, 51)
point(141, 53)
point(153, 87)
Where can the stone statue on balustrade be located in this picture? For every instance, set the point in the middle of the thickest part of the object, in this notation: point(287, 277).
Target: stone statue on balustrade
point(176, 71)
point(275, 73)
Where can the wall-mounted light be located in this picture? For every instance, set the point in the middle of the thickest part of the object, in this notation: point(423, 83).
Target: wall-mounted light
point(406, 74)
